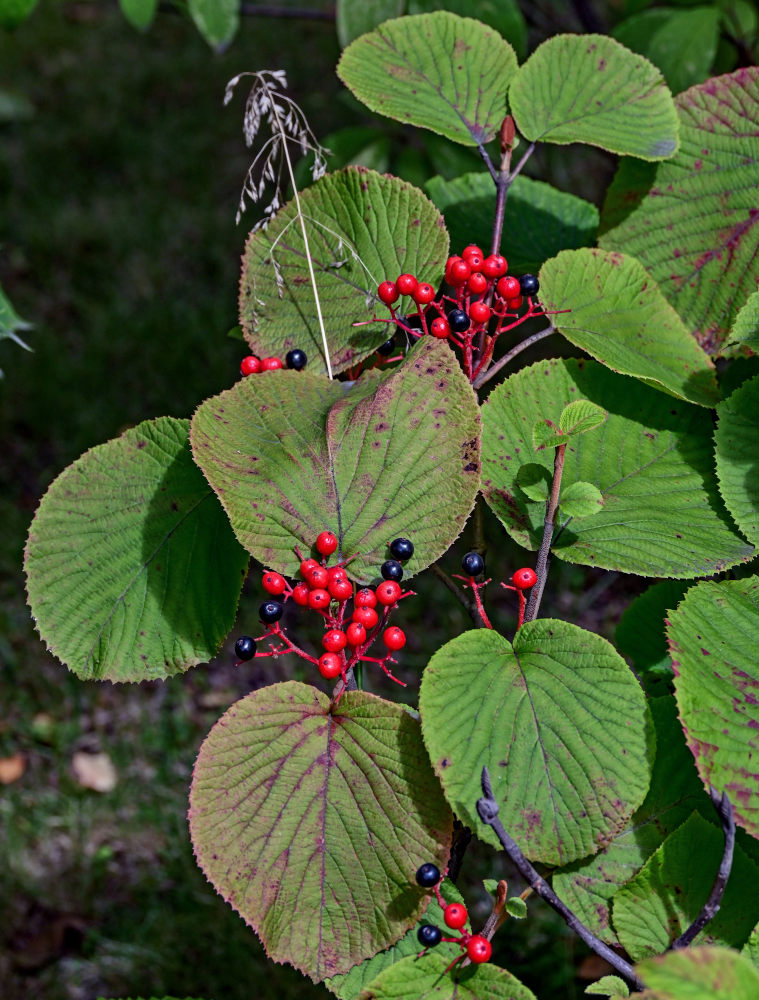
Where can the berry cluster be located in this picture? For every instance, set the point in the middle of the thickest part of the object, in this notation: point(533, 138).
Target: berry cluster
point(348, 636)
point(484, 301)
point(474, 946)
point(474, 565)
point(295, 359)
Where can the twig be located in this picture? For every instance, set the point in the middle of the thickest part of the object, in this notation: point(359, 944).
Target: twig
point(487, 161)
point(467, 605)
point(518, 168)
point(711, 906)
point(487, 807)
point(485, 376)
point(541, 564)
point(462, 837)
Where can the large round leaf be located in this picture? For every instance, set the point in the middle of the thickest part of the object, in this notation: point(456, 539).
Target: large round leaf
point(700, 973)
point(696, 230)
point(607, 305)
point(426, 979)
point(589, 88)
point(559, 720)
point(652, 460)
point(737, 451)
point(362, 227)
point(712, 637)
point(133, 571)
point(291, 454)
point(311, 818)
point(440, 71)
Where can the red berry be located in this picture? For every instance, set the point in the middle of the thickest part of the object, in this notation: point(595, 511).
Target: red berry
point(388, 292)
point(495, 265)
point(300, 594)
point(326, 543)
point(334, 640)
point(406, 284)
point(449, 264)
point(394, 638)
point(423, 294)
point(479, 312)
point(514, 304)
point(306, 566)
point(366, 598)
point(455, 915)
point(356, 633)
point(439, 328)
point(477, 283)
point(388, 592)
point(472, 248)
point(317, 578)
point(340, 588)
point(318, 599)
point(271, 364)
point(459, 271)
point(330, 666)
point(250, 365)
point(508, 287)
point(274, 583)
point(474, 259)
point(337, 573)
point(524, 578)
point(367, 617)
point(478, 949)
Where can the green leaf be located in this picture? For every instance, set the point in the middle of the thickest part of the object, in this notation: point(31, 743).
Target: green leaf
point(133, 572)
point(14, 12)
point(589, 88)
point(696, 231)
point(291, 454)
point(652, 460)
point(580, 500)
point(618, 315)
point(609, 986)
point(350, 985)
point(588, 886)
point(576, 418)
point(438, 71)
point(751, 947)
point(745, 329)
point(491, 885)
point(539, 220)
point(363, 228)
point(737, 446)
point(426, 979)
point(667, 894)
point(216, 20)
point(640, 634)
point(139, 13)
point(503, 15)
point(699, 973)
point(534, 481)
point(310, 818)
point(712, 638)
point(11, 322)
point(354, 17)
point(544, 715)
point(516, 907)
point(682, 43)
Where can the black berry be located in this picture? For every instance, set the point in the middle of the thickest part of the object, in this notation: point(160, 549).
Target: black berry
point(473, 564)
point(401, 548)
point(529, 284)
point(387, 348)
point(429, 935)
point(271, 611)
point(296, 359)
point(427, 875)
point(245, 647)
point(391, 570)
point(458, 320)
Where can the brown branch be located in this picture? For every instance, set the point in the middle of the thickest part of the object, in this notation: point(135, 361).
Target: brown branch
point(544, 552)
point(467, 605)
point(485, 376)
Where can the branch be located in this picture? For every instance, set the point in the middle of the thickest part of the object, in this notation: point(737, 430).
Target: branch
point(711, 906)
point(485, 376)
point(487, 807)
point(467, 605)
point(541, 564)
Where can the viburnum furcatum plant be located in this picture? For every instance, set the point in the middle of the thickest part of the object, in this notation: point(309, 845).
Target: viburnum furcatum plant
point(384, 398)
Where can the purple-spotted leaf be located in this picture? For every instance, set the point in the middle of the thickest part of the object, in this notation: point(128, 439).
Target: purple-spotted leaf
point(133, 572)
point(702, 972)
point(712, 639)
point(737, 446)
point(589, 88)
point(363, 228)
point(617, 314)
point(310, 818)
point(559, 720)
point(291, 454)
point(652, 459)
point(426, 979)
point(696, 231)
point(659, 903)
point(440, 71)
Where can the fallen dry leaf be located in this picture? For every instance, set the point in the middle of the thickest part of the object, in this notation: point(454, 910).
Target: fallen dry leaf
point(94, 770)
point(11, 768)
